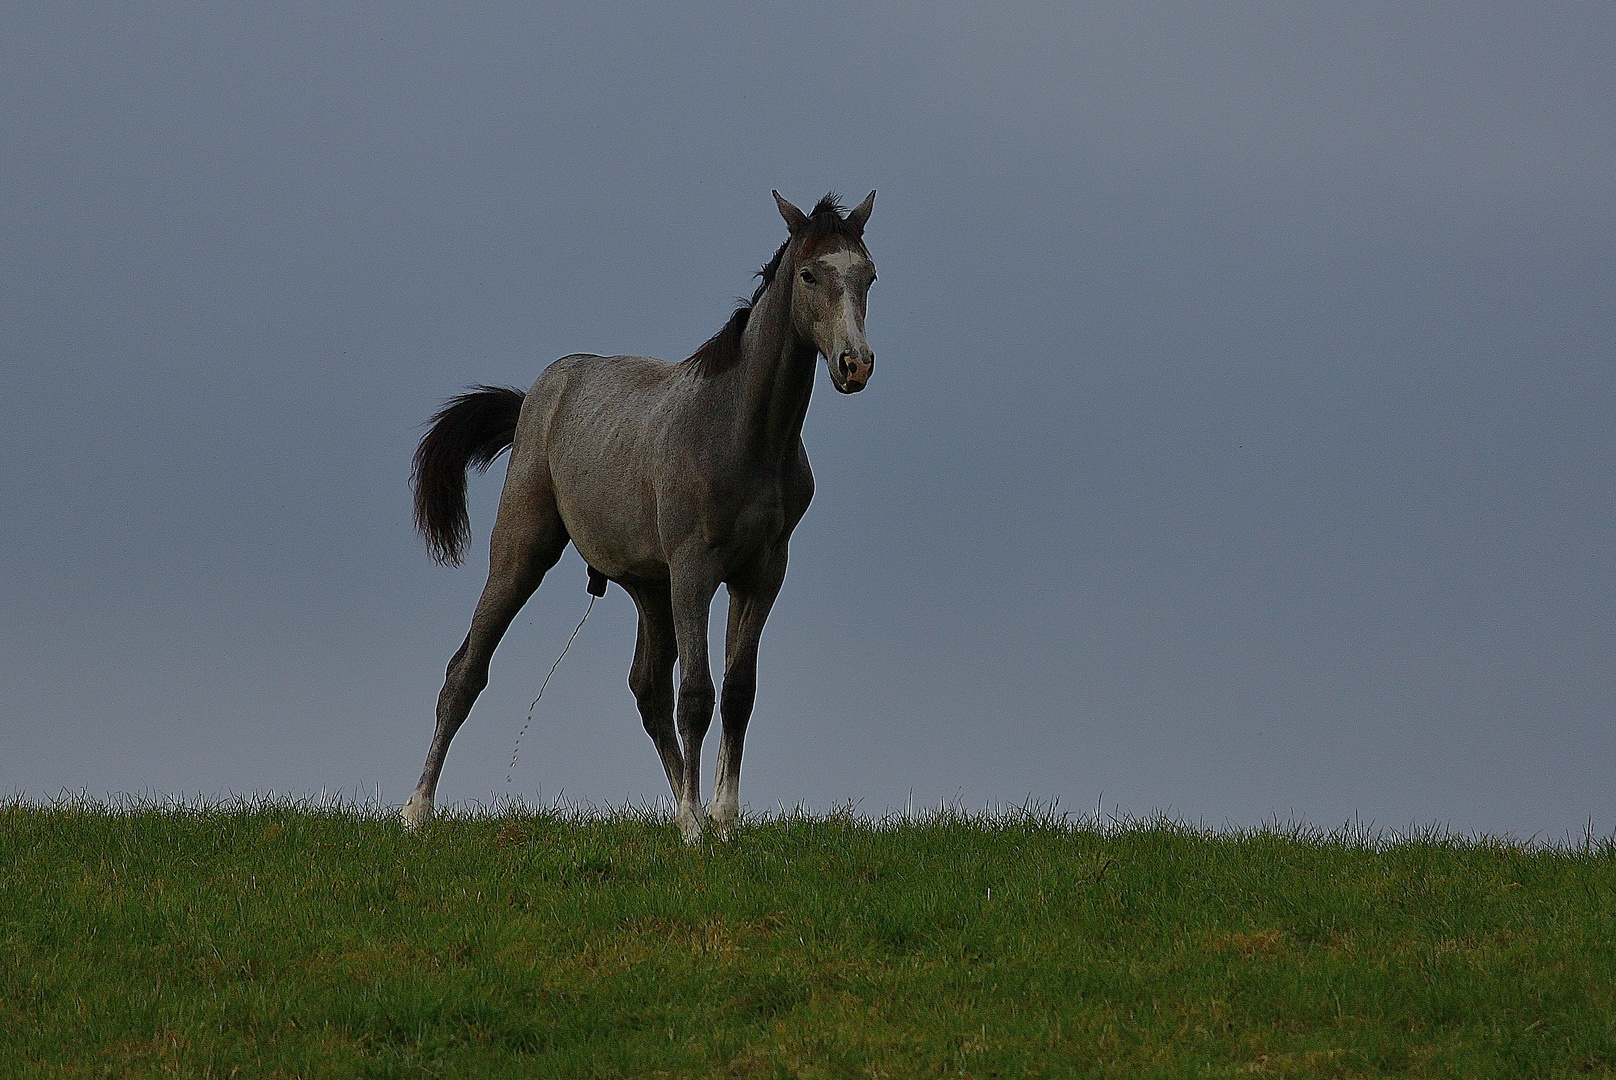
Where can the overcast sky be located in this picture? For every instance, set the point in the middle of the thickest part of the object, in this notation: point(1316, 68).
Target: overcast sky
point(1242, 444)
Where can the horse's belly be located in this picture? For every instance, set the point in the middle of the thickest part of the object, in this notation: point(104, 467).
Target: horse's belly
point(597, 448)
point(610, 520)
point(610, 537)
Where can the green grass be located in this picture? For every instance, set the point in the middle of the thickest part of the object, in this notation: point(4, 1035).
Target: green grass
point(287, 940)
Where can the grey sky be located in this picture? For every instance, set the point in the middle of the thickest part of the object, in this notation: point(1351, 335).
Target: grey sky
point(1242, 442)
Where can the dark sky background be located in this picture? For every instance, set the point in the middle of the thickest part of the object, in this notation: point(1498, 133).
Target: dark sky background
point(1242, 443)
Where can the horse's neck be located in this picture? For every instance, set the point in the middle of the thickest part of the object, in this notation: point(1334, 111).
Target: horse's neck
point(776, 376)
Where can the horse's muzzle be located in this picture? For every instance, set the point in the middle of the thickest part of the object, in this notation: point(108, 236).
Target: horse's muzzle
point(853, 370)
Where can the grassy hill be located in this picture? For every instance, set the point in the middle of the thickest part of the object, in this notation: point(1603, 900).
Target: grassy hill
point(286, 940)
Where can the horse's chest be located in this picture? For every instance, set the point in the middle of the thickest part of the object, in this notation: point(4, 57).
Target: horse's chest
point(753, 517)
point(744, 520)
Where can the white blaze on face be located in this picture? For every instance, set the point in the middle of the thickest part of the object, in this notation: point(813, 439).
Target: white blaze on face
point(842, 262)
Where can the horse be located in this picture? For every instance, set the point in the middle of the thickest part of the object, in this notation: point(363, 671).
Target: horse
point(670, 479)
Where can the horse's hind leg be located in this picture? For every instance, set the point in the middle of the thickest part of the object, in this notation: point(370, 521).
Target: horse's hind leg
point(528, 539)
point(651, 679)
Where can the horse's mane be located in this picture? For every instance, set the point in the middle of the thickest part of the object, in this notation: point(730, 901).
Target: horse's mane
point(827, 222)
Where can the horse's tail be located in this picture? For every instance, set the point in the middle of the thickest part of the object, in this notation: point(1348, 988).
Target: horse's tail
point(471, 429)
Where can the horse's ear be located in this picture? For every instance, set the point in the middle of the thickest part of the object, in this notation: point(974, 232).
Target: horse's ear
point(795, 219)
point(861, 213)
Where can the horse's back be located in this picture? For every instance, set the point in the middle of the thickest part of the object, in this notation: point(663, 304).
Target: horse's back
point(599, 381)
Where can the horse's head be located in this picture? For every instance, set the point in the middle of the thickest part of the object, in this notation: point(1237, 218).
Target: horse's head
point(830, 284)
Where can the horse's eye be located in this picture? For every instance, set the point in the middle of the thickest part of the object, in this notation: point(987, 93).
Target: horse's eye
point(808, 277)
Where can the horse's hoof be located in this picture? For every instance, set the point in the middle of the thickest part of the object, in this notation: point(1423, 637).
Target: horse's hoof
point(416, 812)
point(722, 819)
point(690, 825)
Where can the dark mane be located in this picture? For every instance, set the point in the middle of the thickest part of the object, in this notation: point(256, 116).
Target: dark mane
point(826, 223)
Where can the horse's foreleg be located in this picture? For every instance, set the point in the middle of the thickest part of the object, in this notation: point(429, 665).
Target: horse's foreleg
point(651, 680)
point(692, 595)
point(748, 609)
point(522, 552)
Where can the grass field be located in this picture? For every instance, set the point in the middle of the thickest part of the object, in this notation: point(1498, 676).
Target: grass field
point(285, 940)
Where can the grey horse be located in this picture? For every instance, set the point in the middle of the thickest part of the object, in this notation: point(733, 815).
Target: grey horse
point(670, 479)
